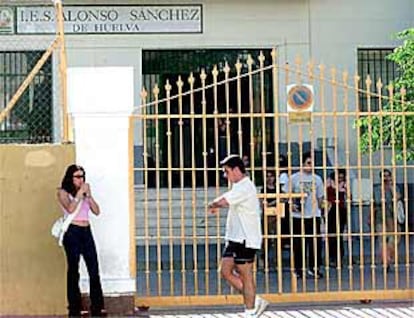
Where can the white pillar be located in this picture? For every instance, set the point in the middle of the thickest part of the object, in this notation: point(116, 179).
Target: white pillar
point(100, 100)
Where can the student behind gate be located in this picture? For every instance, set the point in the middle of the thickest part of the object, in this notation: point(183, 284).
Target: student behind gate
point(306, 182)
point(78, 240)
point(285, 221)
point(269, 188)
point(243, 234)
point(386, 196)
point(336, 190)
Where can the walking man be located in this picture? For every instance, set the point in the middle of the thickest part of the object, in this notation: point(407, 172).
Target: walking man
point(243, 233)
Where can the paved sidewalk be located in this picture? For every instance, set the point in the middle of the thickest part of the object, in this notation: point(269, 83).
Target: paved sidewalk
point(375, 310)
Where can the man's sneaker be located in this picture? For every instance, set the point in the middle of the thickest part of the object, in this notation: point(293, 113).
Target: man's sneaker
point(260, 305)
point(249, 315)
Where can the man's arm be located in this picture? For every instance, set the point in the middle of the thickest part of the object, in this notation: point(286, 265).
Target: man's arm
point(398, 192)
point(220, 202)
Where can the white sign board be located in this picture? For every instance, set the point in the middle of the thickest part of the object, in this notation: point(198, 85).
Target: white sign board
point(300, 98)
point(112, 19)
point(299, 102)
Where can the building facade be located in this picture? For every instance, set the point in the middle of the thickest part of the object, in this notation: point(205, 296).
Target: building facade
point(161, 42)
point(350, 36)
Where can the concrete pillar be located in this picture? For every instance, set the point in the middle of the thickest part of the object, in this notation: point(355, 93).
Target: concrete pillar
point(100, 100)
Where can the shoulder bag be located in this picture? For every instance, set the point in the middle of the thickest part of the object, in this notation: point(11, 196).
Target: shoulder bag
point(400, 212)
point(61, 225)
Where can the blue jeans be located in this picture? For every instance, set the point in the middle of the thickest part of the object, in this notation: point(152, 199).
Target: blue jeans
point(78, 241)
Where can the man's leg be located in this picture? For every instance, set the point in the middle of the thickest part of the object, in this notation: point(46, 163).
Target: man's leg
point(297, 246)
point(318, 250)
point(248, 285)
point(342, 223)
point(227, 272)
point(313, 246)
point(243, 280)
point(332, 238)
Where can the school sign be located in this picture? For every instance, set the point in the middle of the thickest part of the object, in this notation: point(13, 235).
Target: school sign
point(103, 19)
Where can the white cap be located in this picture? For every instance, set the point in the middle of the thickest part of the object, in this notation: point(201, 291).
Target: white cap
point(228, 158)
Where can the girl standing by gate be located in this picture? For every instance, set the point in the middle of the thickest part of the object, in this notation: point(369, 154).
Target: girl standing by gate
point(78, 240)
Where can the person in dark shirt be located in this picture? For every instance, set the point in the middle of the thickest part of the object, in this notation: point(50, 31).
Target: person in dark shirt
point(336, 190)
point(386, 196)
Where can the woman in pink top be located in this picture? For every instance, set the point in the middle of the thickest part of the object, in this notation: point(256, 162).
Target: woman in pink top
point(78, 240)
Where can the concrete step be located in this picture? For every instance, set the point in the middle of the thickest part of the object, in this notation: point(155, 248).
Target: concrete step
point(178, 213)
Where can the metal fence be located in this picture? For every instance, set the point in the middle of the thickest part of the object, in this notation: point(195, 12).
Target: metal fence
point(262, 110)
point(32, 78)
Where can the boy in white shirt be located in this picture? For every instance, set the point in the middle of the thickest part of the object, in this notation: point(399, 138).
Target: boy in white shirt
point(243, 234)
point(308, 215)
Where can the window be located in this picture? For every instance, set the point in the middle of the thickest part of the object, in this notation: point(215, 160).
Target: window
point(374, 62)
point(30, 121)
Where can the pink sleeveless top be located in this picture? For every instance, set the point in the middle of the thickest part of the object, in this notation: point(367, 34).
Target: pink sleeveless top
point(83, 214)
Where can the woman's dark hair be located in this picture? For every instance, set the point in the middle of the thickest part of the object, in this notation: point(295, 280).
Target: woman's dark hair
point(307, 155)
point(340, 171)
point(67, 181)
point(283, 162)
point(385, 171)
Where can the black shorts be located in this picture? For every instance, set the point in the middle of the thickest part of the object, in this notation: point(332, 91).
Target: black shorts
point(239, 252)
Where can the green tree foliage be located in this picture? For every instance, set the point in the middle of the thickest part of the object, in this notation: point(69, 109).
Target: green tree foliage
point(377, 129)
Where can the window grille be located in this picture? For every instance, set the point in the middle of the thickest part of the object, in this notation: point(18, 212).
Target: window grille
point(374, 62)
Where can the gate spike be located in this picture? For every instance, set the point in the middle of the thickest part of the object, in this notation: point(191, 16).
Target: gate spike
point(203, 75)
point(250, 61)
point(273, 54)
point(238, 66)
point(345, 76)
point(179, 83)
point(261, 59)
point(226, 68)
point(156, 90)
point(215, 71)
point(191, 79)
point(144, 93)
point(311, 67)
point(333, 74)
point(390, 89)
point(357, 79)
point(167, 85)
point(368, 82)
point(379, 85)
point(321, 71)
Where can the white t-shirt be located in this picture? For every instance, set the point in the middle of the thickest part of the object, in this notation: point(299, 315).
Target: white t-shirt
point(312, 186)
point(243, 218)
point(283, 178)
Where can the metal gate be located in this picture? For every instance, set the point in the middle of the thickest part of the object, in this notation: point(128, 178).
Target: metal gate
point(353, 130)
